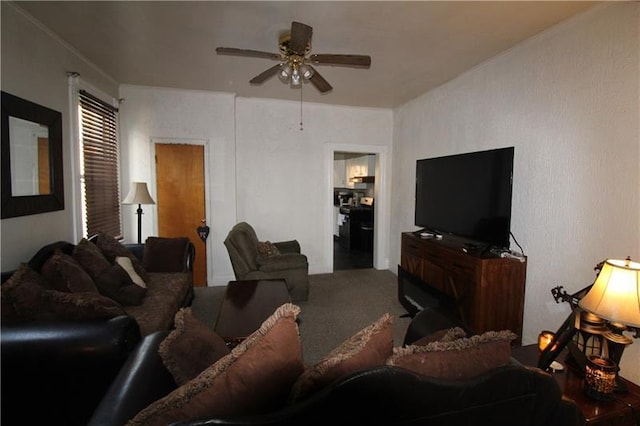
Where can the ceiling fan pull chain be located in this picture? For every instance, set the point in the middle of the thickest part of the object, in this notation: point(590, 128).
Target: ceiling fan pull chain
point(301, 128)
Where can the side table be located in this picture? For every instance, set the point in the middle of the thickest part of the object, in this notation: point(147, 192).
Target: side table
point(624, 410)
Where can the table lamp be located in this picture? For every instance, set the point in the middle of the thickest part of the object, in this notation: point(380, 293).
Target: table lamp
point(139, 194)
point(615, 297)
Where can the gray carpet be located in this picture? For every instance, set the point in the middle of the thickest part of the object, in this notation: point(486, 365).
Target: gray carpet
point(340, 304)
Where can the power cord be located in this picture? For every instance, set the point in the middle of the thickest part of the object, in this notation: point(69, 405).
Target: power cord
point(517, 243)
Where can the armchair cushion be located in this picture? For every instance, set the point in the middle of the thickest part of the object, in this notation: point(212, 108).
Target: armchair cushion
point(282, 262)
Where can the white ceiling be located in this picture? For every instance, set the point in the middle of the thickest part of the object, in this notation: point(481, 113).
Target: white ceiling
point(415, 46)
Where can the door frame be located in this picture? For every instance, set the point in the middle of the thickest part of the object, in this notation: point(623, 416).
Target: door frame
point(381, 201)
point(207, 188)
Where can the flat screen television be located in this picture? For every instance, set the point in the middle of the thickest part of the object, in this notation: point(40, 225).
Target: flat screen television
point(467, 195)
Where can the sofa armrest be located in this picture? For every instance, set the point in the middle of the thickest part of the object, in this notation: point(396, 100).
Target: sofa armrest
point(69, 341)
point(142, 380)
point(292, 246)
point(64, 365)
point(163, 254)
point(282, 262)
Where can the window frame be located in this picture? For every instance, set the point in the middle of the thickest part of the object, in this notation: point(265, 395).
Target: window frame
point(76, 85)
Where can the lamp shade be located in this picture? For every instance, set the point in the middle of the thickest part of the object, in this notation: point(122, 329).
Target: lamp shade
point(139, 194)
point(615, 295)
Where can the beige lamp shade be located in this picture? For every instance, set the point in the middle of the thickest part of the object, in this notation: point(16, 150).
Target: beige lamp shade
point(615, 295)
point(139, 194)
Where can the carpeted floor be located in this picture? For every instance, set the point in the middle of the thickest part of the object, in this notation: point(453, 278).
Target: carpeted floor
point(340, 304)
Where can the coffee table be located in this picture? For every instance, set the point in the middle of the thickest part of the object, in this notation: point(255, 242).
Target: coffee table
point(245, 306)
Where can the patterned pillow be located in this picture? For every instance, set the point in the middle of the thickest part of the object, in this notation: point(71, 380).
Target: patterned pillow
point(458, 359)
point(112, 248)
point(21, 295)
point(369, 347)
point(90, 258)
point(190, 348)
point(267, 249)
point(80, 306)
point(63, 273)
point(25, 299)
point(115, 283)
point(254, 378)
point(445, 335)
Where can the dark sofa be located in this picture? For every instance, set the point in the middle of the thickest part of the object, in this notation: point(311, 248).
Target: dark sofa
point(506, 395)
point(64, 366)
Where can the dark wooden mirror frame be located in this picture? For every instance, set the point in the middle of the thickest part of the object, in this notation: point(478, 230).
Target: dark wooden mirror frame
point(13, 106)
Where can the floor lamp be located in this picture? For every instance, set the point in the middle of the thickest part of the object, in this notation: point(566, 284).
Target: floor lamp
point(139, 194)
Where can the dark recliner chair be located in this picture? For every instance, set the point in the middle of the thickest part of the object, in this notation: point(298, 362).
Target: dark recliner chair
point(289, 264)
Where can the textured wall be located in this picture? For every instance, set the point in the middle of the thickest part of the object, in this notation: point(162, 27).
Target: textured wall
point(568, 100)
point(181, 116)
point(34, 67)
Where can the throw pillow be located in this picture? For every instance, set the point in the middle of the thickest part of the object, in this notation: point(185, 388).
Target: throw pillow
point(90, 257)
point(21, 295)
point(458, 359)
point(165, 254)
point(63, 273)
point(126, 264)
point(115, 283)
point(267, 249)
point(369, 347)
point(79, 306)
point(112, 248)
point(445, 335)
point(191, 347)
point(254, 378)
point(25, 299)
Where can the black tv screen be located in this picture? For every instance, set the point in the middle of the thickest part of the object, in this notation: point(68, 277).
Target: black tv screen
point(468, 195)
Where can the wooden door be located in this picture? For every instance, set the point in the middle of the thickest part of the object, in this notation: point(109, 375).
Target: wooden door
point(181, 205)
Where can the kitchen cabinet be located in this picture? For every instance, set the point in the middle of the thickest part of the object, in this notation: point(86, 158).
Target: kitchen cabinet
point(364, 165)
point(339, 173)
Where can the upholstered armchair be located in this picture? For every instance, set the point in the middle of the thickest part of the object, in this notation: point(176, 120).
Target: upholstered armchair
point(254, 260)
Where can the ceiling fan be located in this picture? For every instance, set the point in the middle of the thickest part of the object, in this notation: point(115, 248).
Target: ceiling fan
point(295, 61)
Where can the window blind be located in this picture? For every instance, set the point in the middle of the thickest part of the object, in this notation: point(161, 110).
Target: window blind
point(99, 122)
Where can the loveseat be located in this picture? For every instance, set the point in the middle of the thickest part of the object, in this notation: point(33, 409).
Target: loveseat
point(62, 349)
point(381, 393)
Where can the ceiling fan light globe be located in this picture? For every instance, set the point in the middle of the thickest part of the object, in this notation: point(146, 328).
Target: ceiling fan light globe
point(295, 78)
point(285, 72)
point(306, 71)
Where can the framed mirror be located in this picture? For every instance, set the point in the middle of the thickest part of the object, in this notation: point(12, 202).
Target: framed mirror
point(32, 180)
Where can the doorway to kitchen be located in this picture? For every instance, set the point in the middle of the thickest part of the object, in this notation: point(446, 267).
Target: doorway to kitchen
point(354, 190)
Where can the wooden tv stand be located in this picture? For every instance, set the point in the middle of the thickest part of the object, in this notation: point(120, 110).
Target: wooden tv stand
point(487, 290)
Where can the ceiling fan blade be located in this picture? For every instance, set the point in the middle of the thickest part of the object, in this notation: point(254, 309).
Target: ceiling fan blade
point(347, 60)
point(247, 52)
point(319, 82)
point(263, 76)
point(300, 37)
